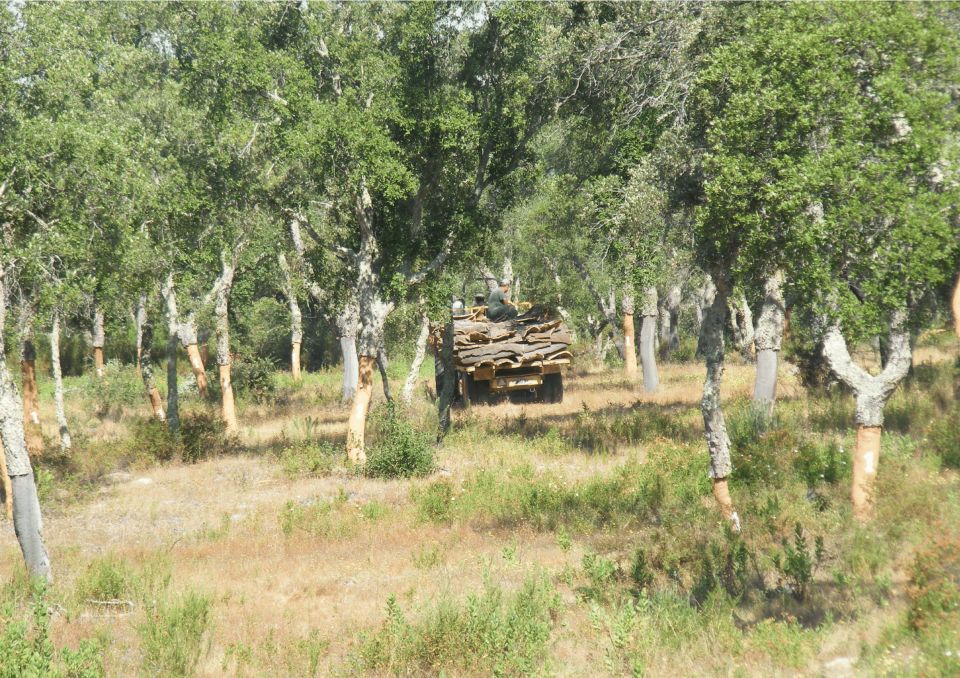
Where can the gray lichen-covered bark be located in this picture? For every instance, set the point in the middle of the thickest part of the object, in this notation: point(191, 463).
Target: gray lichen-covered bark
point(870, 392)
point(346, 322)
point(65, 441)
point(712, 347)
point(741, 322)
point(27, 521)
point(411, 383)
point(173, 325)
point(669, 321)
point(648, 331)
point(289, 291)
point(768, 338)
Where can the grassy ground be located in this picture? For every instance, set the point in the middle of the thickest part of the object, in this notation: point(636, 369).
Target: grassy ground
point(578, 539)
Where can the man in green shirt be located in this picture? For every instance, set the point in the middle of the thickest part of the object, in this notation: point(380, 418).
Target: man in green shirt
point(498, 308)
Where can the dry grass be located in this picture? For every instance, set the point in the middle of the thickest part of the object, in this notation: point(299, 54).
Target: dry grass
point(217, 523)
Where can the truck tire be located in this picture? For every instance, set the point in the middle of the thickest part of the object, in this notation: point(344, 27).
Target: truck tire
point(553, 388)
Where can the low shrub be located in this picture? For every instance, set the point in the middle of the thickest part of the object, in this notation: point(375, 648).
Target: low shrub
point(399, 449)
point(944, 438)
point(934, 584)
point(172, 634)
point(306, 458)
point(819, 463)
point(254, 378)
point(203, 436)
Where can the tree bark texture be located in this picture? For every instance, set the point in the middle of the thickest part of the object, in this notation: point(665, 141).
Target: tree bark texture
point(199, 372)
point(411, 383)
point(871, 394)
point(31, 399)
point(769, 338)
point(98, 341)
point(741, 320)
point(221, 308)
point(347, 321)
point(358, 412)
point(146, 373)
point(27, 521)
point(296, 317)
point(669, 321)
point(629, 339)
point(648, 330)
point(712, 346)
point(173, 325)
point(7, 485)
point(382, 365)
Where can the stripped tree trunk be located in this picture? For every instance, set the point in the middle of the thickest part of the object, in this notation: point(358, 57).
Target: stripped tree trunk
point(31, 399)
point(140, 319)
point(223, 288)
point(98, 341)
point(871, 394)
point(669, 321)
point(188, 339)
point(347, 321)
point(296, 318)
point(173, 325)
point(648, 330)
point(411, 383)
point(65, 441)
point(715, 428)
point(27, 521)
point(629, 339)
point(146, 372)
point(768, 338)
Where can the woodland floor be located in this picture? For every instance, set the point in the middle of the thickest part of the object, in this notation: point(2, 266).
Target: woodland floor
point(294, 590)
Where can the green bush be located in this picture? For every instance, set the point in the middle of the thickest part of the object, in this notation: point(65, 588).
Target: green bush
point(758, 448)
point(203, 436)
point(253, 378)
point(151, 439)
point(106, 578)
point(944, 438)
point(400, 449)
point(26, 650)
point(304, 458)
point(172, 635)
point(820, 462)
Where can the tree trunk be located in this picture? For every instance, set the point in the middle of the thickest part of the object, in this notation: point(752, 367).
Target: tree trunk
point(31, 399)
point(741, 320)
point(221, 308)
point(173, 325)
point(65, 442)
point(629, 339)
point(146, 373)
point(7, 486)
point(956, 308)
point(382, 365)
point(715, 428)
point(669, 320)
point(411, 383)
point(768, 338)
point(296, 317)
point(140, 319)
point(98, 341)
point(648, 330)
point(199, 372)
point(346, 322)
point(27, 521)
point(871, 394)
point(358, 412)
point(203, 338)
point(445, 399)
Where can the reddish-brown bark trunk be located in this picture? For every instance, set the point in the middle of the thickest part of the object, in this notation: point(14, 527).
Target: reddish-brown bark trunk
point(196, 364)
point(358, 413)
point(229, 408)
point(295, 361)
point(866, 458)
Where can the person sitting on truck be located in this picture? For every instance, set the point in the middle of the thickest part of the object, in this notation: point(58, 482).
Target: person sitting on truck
point(498, 306)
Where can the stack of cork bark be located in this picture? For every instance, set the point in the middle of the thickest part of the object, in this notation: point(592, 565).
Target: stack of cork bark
point(479, 341)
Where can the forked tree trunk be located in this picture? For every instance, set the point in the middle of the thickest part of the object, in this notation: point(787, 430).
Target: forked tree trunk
point(146, 373)
point(629, 339)
point(648, 330)
point(715, 428)
point(173, 326)
point(347, 321)
point(669, 322)
point(27, 521)
point(956, 308)
point(769, 338)
point(65, 441)
point(98, 341)
point(411, 383)
point(871, 394)
point(296, 317)
point(229, 410)
point(32, 430)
